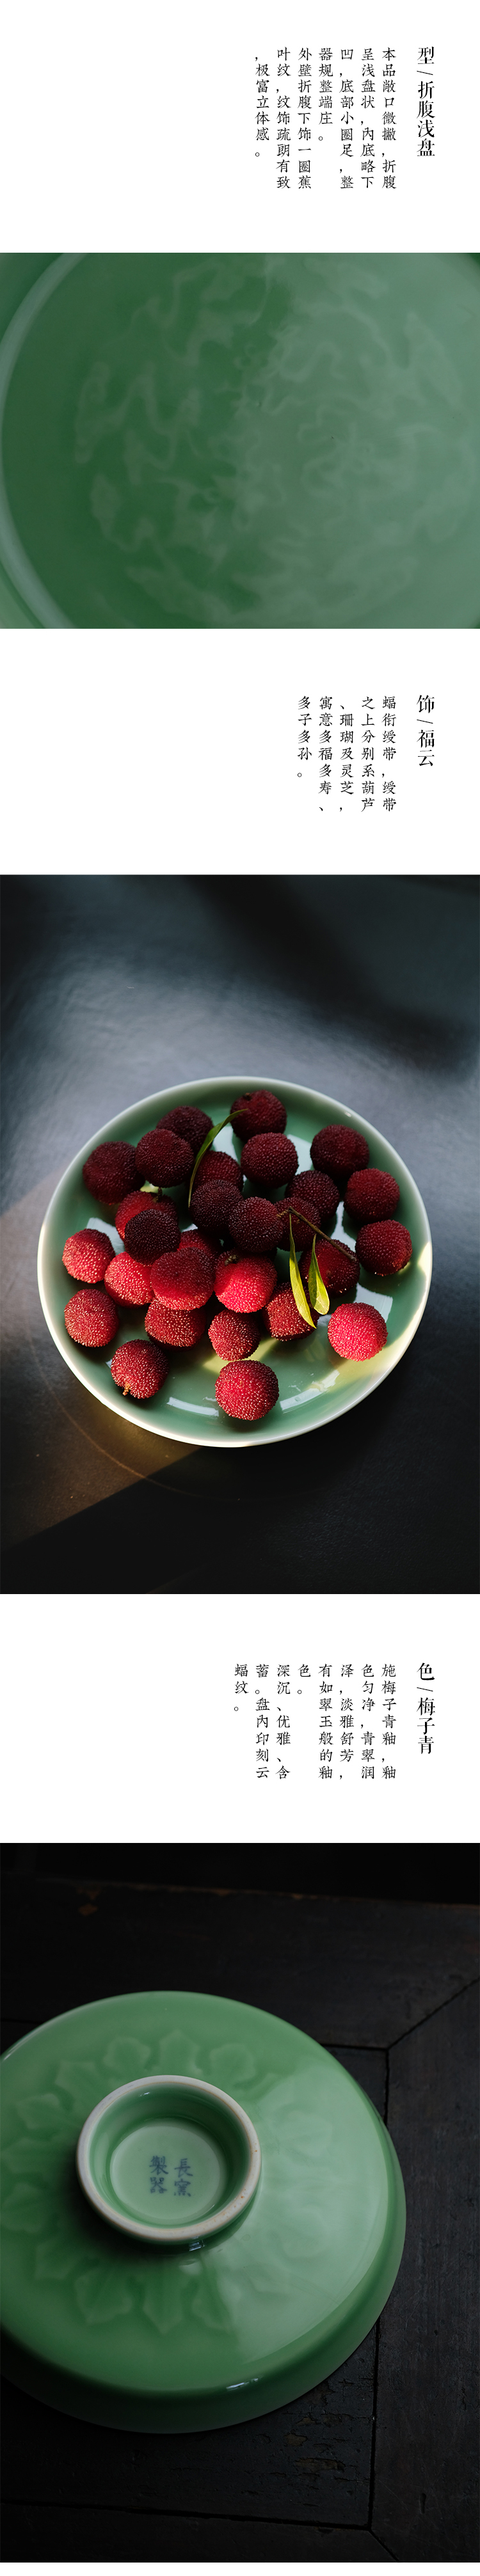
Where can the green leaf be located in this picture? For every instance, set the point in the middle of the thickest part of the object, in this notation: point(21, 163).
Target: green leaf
point(323, 1308)
point(313, 1275)
point(316, 1285)
point(203, 1149)
point(297, 1285)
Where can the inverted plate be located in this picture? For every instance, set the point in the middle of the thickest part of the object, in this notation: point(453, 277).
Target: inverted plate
point(120, 2332)
point(314, 1385)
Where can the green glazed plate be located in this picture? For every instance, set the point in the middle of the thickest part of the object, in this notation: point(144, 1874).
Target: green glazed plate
point(246, 440)
point(314, 1385)
point(130, 2334)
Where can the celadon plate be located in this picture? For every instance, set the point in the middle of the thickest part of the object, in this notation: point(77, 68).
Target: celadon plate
point(129, 2333)
point(243, 440)
point(314, 1385)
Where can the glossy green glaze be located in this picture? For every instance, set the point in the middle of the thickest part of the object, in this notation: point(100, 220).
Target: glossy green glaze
point(314, 1385)
point(244, 440)
point(127, 2334)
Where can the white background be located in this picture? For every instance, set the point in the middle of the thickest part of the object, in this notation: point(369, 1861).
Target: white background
point(126, 129)
point(84, 1755)
point(176, 752)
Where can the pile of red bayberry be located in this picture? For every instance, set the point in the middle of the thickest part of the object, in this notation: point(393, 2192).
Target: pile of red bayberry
point(226, 1250)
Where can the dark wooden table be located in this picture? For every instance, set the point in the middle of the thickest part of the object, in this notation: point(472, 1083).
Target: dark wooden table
point(363, 988)
point(380, 2461)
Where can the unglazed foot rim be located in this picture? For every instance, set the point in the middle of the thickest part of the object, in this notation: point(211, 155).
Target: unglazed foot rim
point(158, 2086)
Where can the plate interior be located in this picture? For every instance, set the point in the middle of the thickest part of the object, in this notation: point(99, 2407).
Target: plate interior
point(256, 440)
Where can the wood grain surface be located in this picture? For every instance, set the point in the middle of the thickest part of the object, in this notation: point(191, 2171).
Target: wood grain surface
point(380, 2460)
point(426, 2490)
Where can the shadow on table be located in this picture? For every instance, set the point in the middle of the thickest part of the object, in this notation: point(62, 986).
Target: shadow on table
point(360, 1504)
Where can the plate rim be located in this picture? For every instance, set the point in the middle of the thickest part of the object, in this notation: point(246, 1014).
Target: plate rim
point(29, 589)
point(233, 1439)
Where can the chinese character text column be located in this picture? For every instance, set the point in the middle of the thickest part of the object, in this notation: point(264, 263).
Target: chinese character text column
point(304, 752)
point(325, 1738)
point(261, 75)
point(346, 1715)
point(426, 1708)
point(367, 104)
point(389, 125)
point(389, 1717)
point(262, 1712)
point(346, 116)
point(346, 752)
point(283, 117)
point(283, 1718)
point(367, 755)
point(389, 750)
point(325, 95)
point(325, 746)
point(304, 115)
point(426, 737)
point(368, 1703)
point(425, 141)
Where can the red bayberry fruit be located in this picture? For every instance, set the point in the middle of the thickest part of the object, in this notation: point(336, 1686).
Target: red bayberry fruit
point(91, 1318)
point(339, 1268)
point(318, 1199)
point(154, 1231)
point(339, 1151)
point(234, 1337)
point(254, 1225)
point(302, 1233)
point(371, 1194)
point(211, 1207)
point(163, 1157)
point(384, 1248)
point(246, 1390)
point(256, 1113)
point(269, 1159)
point(220, 1170)
point(128, 1280)
point(87, 1255)
point(184, 1278)
point(203, 1242)
point(192, 1124)
point(244, 1285)
point(109, 1171)
point(356, 1332)
point(315, 1190)
point(136, 1203)
point(138, 1370)
point(175, 1326)
point(285, 1323)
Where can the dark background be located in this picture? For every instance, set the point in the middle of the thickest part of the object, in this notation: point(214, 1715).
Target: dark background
point(445, 1873)
point(365, 988)
point(380, 2460)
